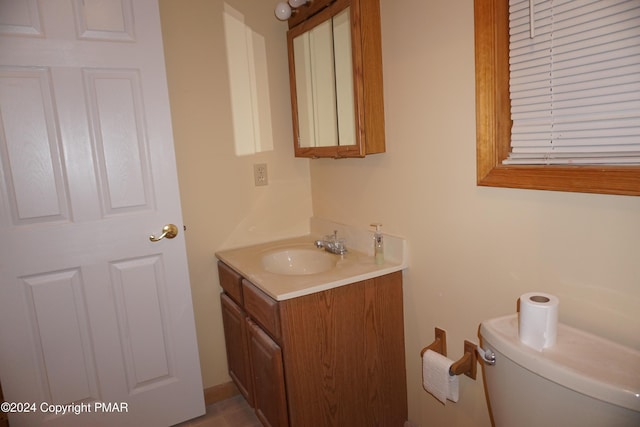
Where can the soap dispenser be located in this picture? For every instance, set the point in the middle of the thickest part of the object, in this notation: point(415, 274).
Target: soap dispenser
point(378, 244)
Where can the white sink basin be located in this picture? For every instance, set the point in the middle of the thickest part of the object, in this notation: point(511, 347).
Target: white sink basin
point(292, 262)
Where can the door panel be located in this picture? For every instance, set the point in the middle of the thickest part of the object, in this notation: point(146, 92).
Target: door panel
point(141, 306)
point(104, 20)
point(91, 311)
point(20, 18)
point(31, 147)
point(58, 319)
point(117, 114)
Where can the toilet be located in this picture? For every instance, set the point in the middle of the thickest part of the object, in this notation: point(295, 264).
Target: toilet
point(582, 381)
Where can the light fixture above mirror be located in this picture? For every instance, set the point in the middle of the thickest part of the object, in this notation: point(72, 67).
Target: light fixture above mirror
point(283, 9)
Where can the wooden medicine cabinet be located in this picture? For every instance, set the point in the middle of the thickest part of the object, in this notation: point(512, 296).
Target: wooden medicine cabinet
point(335, 69)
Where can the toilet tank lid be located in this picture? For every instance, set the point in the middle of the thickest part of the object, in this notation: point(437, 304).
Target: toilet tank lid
point(580, 361)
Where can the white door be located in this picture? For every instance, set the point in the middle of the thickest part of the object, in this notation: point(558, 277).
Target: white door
point(94, 317)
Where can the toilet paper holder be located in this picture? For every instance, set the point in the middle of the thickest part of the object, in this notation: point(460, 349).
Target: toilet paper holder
point(465, 365)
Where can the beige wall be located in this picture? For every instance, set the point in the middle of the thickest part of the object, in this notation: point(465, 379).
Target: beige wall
point(221, 206)
point(473, 250)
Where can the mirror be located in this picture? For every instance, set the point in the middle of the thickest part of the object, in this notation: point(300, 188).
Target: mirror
point(336, 93)
point(324, 84)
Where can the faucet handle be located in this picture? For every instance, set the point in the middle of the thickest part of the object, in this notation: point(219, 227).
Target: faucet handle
point(332, 238)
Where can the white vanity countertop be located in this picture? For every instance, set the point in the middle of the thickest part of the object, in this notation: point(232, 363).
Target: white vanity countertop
point(354, 266)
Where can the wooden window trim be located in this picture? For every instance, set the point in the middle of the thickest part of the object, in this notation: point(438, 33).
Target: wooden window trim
point(493, 122)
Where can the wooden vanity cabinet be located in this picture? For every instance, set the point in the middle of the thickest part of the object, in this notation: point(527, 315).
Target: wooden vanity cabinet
point(331, 358)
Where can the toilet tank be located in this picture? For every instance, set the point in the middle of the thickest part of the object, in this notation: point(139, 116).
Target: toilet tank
point(582, 381)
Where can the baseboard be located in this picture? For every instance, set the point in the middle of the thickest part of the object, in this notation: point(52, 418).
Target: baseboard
point(219, 392)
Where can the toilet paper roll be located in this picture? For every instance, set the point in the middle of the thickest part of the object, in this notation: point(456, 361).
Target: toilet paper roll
point(436, 379)
point(538, 320)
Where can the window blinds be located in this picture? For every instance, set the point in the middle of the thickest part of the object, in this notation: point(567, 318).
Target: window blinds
point(574, 81)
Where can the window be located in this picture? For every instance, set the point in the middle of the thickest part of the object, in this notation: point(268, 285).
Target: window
point(494, 123)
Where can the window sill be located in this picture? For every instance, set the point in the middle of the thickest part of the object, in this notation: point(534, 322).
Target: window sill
point(622, 180)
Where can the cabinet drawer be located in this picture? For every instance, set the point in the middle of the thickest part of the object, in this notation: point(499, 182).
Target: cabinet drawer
point(262, 308)
point(230, 281)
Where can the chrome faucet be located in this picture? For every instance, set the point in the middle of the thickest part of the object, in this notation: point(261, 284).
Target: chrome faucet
point(331, 243)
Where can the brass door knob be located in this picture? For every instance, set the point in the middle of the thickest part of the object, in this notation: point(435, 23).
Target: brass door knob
point(169, 231)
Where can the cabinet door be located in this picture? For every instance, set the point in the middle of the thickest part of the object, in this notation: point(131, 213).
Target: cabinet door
point(235, 337)
point(344, 355)
point(268, 378)
point(335, 74)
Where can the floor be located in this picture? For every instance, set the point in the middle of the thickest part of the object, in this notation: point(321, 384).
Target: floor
point(232, 412)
